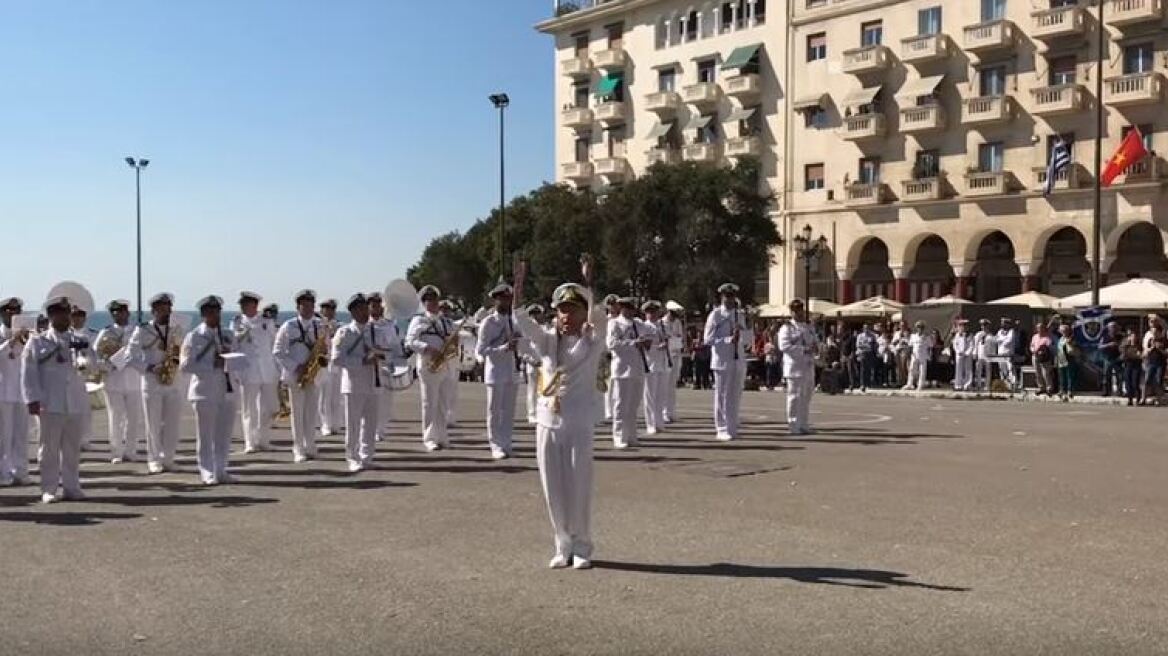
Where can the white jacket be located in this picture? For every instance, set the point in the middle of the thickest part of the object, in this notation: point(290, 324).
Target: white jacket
point(10, 352)
point(428, 330)
point(148, 347)
point(117, 378)
point(628, 360)
point(350, 348)
point(572, 405)
point(197, 358)
point(719, 335)
point(48, 374)
point(492, 348)
point(799, 344)
point(256, 338)
point(294, 343)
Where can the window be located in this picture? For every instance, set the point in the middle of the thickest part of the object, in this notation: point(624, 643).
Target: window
point(661, 37)
point(671, 140)
point(583, 145)
point(816, 4)
point(726, 17)
point(581, 40)
point(992, 10)
point(691, 26)
point(929, 21)
point(751, 126)
point(990, 157)
point(815, 117)
point(1137, 58)
point(927, 165)
point(1052, 141)
point(616, 36)
point(667, 79)
point(869, 170)
point(812, 177)
point(1054, 4)
point(817, 47)
point(708, 23)
point(871, 33)
point(707, 71)
point(759, 12)
point(580, 96)
point(708, 133)
point(615, 141)
point(1062, 70)
point(992, 81)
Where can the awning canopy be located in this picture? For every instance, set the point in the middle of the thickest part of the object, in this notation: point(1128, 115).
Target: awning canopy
point(808, 102)
point(660, 130)
point(1138, 294)
point(741, 114)
point(925, 86)
point(863, 96)
point(1035, 300)
point(741, 57)
point(700, 121)
point(877, 306)
point(608, 84)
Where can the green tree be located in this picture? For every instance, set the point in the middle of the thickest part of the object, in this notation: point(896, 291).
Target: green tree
point(454, 263)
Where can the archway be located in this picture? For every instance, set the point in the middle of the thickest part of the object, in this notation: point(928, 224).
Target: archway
point(930, 275)
point(1139, 253)
point(1065, 269)
point(995, 273)
point(873, 276)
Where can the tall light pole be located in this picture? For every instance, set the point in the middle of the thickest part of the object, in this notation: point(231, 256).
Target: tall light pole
point(808, 251)
point(138, 165)
point(1097, 222)
point(501, 101)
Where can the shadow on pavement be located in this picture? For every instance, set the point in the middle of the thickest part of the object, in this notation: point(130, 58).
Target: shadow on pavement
point(329, 485)
point(65, 518)
point(872, 579)
point(221, 501)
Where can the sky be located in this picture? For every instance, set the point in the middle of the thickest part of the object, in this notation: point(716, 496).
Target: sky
point(292, 143)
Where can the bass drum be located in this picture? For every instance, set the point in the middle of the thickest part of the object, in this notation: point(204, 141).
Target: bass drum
point(467, 362)
point(401, 378)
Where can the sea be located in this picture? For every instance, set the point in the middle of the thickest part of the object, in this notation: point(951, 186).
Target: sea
point(99, 320)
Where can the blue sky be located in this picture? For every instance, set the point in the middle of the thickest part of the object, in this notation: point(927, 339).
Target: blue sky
point(293, 143)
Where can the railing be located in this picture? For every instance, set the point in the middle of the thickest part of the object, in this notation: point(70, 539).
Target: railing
point(864, 193)
point(609, 59)
point(1058, 20)
point(1059, 97)
point(986, 109)
point(865, 58)
point(662, 101)
point(739, 85)
point(922, 188)
point(864, 125)
point(1134, 10)
point(663, 155)
point(702, 92)
point(565, 7)
point(923, 117)
point(980, 183)
point(1134, 84)
point(610, 112)
point(577, 170)
point(923, 47)
point(988, 35)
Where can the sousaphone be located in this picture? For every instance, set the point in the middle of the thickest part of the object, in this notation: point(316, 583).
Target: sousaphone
point(401, 303)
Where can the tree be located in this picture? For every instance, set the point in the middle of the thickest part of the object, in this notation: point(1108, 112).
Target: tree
point(453, 263)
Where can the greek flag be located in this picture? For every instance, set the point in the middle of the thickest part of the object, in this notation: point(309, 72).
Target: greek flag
point(1060, 158)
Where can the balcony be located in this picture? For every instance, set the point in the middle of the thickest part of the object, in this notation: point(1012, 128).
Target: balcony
point(577, 118)
point(663, 103)
point(744, 147)
point(987, 110)
point(1058, 23)
point(921, 189)
point(924, 48)
point(577, 171)
point(703, 95)
point(744, 87)
point(1068, 178)
point(865, 194)
point(663, 156)
point(987, 183)
point(702, 152)
point(1134, 89)
point(863, 126)
point(612, 168)
point(924, 118)
point(1130, 12)
point(576, 67)
point(611, 60)
point(868, 59)
point(987, 37)
point(611, 113)
point(1149, 169)
point(1059, 99)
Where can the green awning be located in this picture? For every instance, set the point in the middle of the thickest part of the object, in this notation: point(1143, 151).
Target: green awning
point(741, 57)
point(609, 84)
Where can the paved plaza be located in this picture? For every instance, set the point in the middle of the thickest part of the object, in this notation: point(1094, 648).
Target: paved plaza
point(904, 526)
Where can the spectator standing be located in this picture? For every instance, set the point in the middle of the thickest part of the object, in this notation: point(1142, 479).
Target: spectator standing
point(1066, 359)
point(1154, 357)
point(866, 347)
point(1042, 355)
point(883, 356)
point(1131, 356)
point(702, 373)
point(773, 359)
point(851, 366)
point(1113, 363)
point(902, 352)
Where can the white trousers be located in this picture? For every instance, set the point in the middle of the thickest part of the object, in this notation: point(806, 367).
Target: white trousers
point(361, 420)
point(608, 398)
point(532, 395)
point(384, 410)
point(983, 369)
point(13, 441)
point(626, 401)
point(917, 368)
point(305, 402)
point(655, 400)
point(452, 397)
point(671, 391)
point(259, 403)
point(124, 410)
point(501, 416)
point(163, 412)
point(728, 385)
point(435, 391)
point(213, 423)
point(799, 392)
point(963, 372)
point(332, 406)
point(60, 459)
point(565, 469)
point(86, 423)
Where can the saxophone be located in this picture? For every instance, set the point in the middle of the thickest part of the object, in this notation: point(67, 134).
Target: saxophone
point(168, 368)
point(449, 350)
point(316, 359)
point(105, 349)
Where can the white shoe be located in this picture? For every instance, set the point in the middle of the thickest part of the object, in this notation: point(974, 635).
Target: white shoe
point(500, 455)
point(355, 467)
point(580, 562)
point(620, 446)
point(154, 468)
point(49, 498)
point(116, 460)
point(651, 431)
point(251, 449)
point(299, 458)
point(210, 481)
point(724, 437)
point(559, 562)
point(431, 447)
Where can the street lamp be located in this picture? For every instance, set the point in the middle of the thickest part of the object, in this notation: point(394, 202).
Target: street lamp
point(808, 250)
point(138, 165)
point(501, 101)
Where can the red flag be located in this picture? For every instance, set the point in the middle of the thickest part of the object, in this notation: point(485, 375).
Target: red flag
point(1130, 151)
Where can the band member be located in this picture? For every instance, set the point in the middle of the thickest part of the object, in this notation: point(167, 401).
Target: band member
point(298, 344)
point(674, 329)
point(612, 310)
point(54, 391)
point(531, 363)
point(85, 336)
point(962, 356)
point(569, 353)
point(360, 362)
point(154, 352)
point(430, 336)
point(213, 391)
point(255, 337)
point(332, 407)
point(661, 364)
point(985, 346)
point(123, 385)
point(799, 345)
point(13, 412)
point(498, 346)
point(454, 369)
point(727, 335)
point(629, 339)
point(386, 337)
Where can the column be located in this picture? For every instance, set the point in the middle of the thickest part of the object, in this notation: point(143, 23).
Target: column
point(901, 294)
point(1030, 282)
point(847, 289)
point(960, 280)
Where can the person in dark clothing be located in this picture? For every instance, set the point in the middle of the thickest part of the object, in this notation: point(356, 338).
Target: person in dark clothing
point(703, 377)
point(1133, 368)
point(851, 368)
point(1113, 364)
point(866, 347)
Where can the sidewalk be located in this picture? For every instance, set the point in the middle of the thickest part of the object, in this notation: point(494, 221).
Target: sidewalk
point(1027, 396)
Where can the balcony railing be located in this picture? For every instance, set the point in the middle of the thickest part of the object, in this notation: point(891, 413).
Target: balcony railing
point(985, 37)
point(577, 171)
point(1059, 99)
point(1067, 177)
point(986, 110)
point(1134, 89)
point(987, 183)
point(702, 94)
point(663, 102)
point(565, 7)
point(744, 147)
point(1058, 22)
point(702, 152)
point(611, 112)
point(742, 86)
point(663, 156)
point(922, 119)
point(864, 193)
point(924, 48)
point(1129, 12)
point(868, 59)
point(863, 126)
point(613, 59)
point(921, 189)
point(576, 118)
point(1148, 169)
point(612, 167)
point(576, 67)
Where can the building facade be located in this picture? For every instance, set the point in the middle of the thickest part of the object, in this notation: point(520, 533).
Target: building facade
point(914, 136)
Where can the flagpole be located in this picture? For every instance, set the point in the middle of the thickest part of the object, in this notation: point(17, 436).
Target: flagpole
point(1096, 224)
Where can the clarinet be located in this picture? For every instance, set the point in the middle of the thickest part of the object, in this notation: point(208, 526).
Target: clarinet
point(226, 376)
point(737, 347)
point(665, 338)
point(644, 358)
point(515, 352)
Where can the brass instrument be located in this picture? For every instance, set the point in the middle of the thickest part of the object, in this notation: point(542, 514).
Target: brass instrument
point(168, 368)
point(551, 389)
point(449, 350)
point(105, 349)
point(317, 359)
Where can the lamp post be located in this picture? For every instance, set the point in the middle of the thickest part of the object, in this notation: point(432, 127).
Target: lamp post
point(501, 101)
point(808, 250)
point(1097, 218)
point(138, 165)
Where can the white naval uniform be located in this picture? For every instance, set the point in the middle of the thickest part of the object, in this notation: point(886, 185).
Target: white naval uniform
point(729, 369)
point(530, 367)
point(386, 338)
point(361, 383)
point(294, 343)
point(798, 343)
point(86, 335)
point(921, 346)
point(985, 346)
point(48, 376)
point(332, 404)
point(432, 330)
point(255, 338)
point(14, 424)
point(657, 380)
point(675, 333)
point(501, 378)
point(162, 403)
point(566, 427)
point(123, 395)
point(1007, 342)
point(628, 376)
point(214, 394)
point(962, 347)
